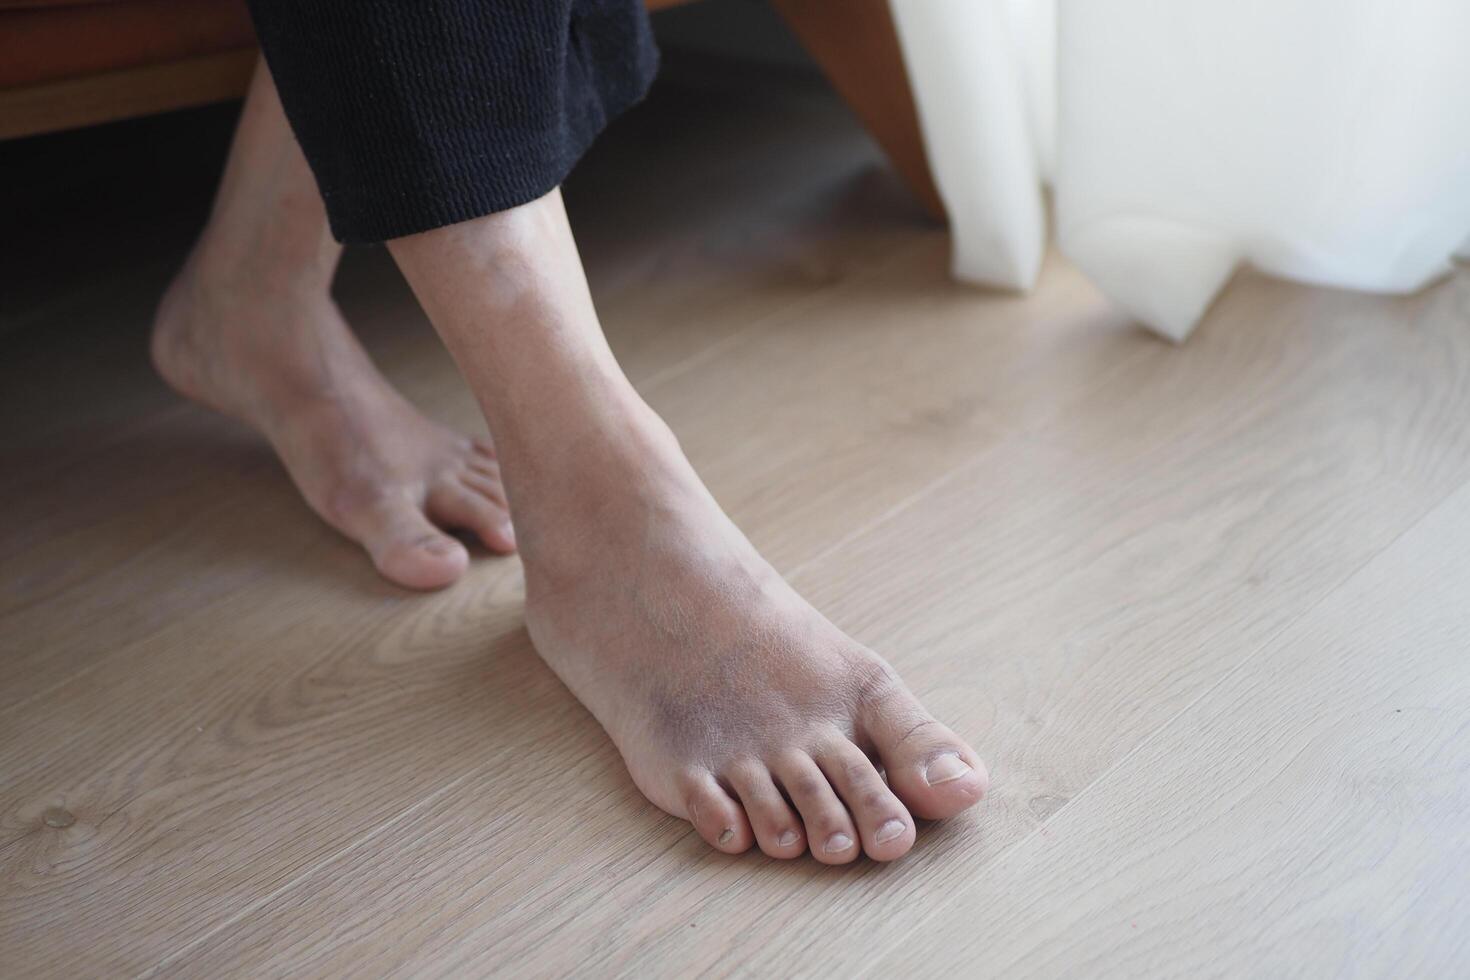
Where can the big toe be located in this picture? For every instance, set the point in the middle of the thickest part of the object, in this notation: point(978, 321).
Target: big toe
point(410, 551)
point(431, 562)
point(930, 768)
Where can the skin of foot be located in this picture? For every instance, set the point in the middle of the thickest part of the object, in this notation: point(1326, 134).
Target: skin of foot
point(364, 459)
point(735, 704)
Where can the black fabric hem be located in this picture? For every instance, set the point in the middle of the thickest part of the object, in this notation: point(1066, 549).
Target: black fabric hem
point(418, 115)
point(475, 188)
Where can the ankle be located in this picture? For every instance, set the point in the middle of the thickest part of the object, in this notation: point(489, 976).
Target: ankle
point(612, 480)
point(276, 255)
point(247, 350)
point(225, 278)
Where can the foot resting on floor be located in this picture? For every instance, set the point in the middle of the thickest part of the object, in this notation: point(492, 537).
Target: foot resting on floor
point(365, 459)
point(735, 704)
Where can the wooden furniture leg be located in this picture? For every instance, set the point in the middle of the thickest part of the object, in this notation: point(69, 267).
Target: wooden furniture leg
point(856, 45)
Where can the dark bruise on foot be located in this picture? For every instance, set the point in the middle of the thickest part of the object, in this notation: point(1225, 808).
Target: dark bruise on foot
point(734, 703)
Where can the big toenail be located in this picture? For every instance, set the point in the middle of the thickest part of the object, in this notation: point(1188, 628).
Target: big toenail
point(440, 546)
point(725, 837)
point(786, 839)
point(890, 830)
point(837, 843)
point(944, 769)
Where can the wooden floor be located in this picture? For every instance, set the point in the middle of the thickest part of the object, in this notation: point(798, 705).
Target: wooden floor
point(1205, 610)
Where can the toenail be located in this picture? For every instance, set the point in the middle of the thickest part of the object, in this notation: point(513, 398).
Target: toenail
point(837, 843)
point(786, 839)
point(945, 769)
point(726, 836)
point(440, 546)
point(889, 831)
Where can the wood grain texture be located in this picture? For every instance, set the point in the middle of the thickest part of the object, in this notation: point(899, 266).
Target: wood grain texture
point(123, 94)
point(1305, 816)
point(1057, 604)
point(1125, 570)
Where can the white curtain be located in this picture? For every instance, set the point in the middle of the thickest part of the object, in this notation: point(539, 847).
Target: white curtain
point(1326, 141)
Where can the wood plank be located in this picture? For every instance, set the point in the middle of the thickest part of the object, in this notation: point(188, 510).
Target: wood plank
point(1060, 530)
point(1062, 598)
point(1056, 602)
point(123, 94)
point(1307, 816)
point(264, 689)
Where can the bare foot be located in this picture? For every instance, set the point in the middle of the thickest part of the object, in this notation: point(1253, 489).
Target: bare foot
point(734, 703)
point(285, 362)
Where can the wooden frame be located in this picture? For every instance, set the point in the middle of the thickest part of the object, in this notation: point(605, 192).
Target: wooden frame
point(75, 102)
point(856, 45)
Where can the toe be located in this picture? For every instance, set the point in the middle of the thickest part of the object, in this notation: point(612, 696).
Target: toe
point(716, 815)
point(929, 767)
point(829, 830)
point(777, 828)
point(486, 466)
point(884, 824)
point(480, 459)
point(407, 549)
point(488, 487)
point(461, 505)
